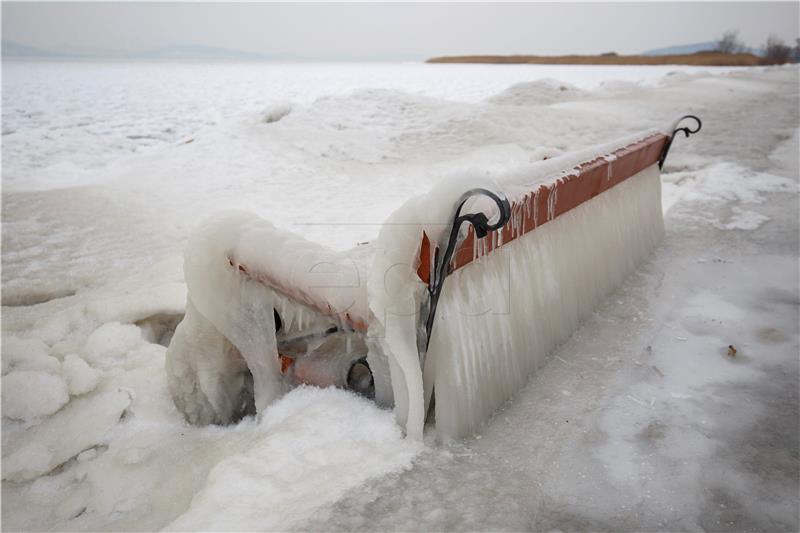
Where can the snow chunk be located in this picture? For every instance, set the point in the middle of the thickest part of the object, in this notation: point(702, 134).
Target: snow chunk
point(745, 220)
point(27, 354)
point(48, 364)
point(109, 343)
point(28, 463)
point(88, 455)
point(730, 182)
point(140, 304)
point(738, 186)
point(29, 394)
point(311, 447)
point(14, 347)
point(81, 425)
point(540, 92)
point(81, 378)
point(275, 112)
point(545, 152)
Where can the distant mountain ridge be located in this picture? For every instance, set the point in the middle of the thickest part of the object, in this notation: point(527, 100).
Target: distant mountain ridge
point(12, 49)
point(693, 48)
point(682, 49)
point(197, 52)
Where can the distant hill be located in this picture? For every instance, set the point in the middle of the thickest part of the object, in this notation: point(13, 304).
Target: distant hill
point(175, 52)
point(694, 48)
point(11, 49)
point(197, 52)
point(682, 49)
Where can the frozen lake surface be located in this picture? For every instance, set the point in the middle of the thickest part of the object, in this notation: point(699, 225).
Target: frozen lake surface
point(640, 421)
point(63, 123)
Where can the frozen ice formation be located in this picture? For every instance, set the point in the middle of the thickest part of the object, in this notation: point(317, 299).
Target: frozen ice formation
point(109, 343)
point(298, 445)
point(500, 317)
point(81, 425)
point(80, 377)
point(30, 394)
point(27, 354)
point(251, 286)
point(268, 310)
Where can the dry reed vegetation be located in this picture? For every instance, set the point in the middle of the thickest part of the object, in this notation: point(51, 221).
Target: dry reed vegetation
point(718, 59)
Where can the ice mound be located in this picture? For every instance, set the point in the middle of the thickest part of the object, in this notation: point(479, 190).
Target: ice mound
point(81, 425)
point(311, 447)
point(545, 152)
point(108, 345)
point(370, 126)
point(276, 112)
point(27, 354)
point(80, 377)
point(539, 92)
point(738, 187)
point(28, 395)
point(616, 87)
point(729, 182)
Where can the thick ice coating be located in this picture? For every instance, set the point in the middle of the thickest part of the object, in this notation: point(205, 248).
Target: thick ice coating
point(500, 316)
point(268, 310)
point(396, 294)
point(251, 286)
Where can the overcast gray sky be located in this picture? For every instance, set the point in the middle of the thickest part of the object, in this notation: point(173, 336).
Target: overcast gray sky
point(349, 31)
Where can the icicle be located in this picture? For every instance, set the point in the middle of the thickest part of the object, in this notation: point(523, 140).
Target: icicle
point(610, 158)
point(552, 198)
point(475, 247)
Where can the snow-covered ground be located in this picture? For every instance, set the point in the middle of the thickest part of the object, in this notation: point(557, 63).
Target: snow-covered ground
point(640, 421)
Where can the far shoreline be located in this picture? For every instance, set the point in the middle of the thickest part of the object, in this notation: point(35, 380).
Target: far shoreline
point(706, 59)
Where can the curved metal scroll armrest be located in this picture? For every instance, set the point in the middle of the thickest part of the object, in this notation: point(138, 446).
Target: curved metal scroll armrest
point(686, 131)
point(442, 266)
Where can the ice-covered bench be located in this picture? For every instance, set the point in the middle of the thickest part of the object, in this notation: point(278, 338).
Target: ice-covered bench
point(444, 316)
